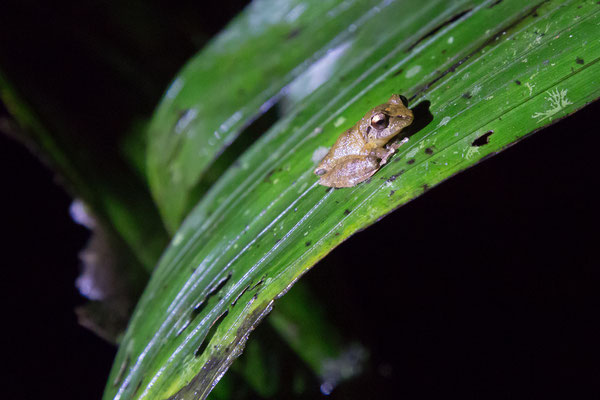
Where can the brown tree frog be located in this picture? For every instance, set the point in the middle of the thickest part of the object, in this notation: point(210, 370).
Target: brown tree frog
point(361, 150)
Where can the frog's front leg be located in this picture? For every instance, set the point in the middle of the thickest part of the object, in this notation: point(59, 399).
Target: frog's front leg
point(384, 153)
point(350, 171)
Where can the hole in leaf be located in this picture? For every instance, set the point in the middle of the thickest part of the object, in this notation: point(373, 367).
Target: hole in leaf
point(394, 177)
point(257, 284)
point(482, 140)
point(185, 324)
point(398, 72)
point(198, 308)
point(215, 289)
point(234, 302)
point(293, 33)
point(211, 332)
point(139, 385)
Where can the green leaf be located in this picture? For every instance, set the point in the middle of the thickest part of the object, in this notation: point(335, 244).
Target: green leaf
point(235, 79)
point(480, 75)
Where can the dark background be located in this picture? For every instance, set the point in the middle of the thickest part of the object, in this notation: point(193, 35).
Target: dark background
point(484, 287)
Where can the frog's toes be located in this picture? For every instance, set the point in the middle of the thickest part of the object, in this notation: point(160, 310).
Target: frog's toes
point(387, 155)
point(396, 145)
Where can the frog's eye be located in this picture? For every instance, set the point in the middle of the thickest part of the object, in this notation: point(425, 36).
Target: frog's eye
point(379, 121)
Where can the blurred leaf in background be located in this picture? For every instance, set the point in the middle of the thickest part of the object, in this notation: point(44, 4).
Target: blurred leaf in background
point(84, 113)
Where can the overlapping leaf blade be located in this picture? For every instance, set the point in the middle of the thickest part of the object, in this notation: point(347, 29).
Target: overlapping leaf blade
point(242, 73)
point(487, 79)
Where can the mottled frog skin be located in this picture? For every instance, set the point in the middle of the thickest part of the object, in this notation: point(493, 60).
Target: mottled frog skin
point(361, 150)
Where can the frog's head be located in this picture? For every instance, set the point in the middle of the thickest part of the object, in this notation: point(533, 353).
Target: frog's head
point(387, 120)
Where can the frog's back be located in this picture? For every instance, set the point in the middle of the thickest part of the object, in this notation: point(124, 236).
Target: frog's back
point(350, 143)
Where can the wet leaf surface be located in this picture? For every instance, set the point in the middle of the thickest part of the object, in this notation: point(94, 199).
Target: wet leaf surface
point(479, 76)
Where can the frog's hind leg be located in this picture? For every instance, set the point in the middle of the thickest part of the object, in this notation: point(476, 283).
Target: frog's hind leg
point(350, 171)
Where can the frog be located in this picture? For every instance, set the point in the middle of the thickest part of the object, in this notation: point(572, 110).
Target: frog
point(363, 149)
